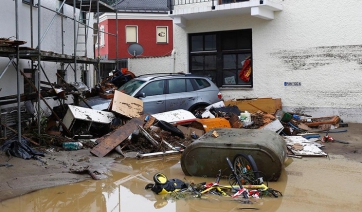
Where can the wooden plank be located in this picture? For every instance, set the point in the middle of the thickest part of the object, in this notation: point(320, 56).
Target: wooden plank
point(107, 144)
point(267, 105)
point(315, 122)
point(127, 105)
point(150, 121)
point(235, 121)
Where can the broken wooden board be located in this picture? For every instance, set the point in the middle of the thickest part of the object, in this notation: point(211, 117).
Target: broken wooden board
point(188, 131)
point(126, 105)
point(315, 122)
point(235, 121)
point(267, 105)
point(150, 121)
point(303, 147)
point(107, 144)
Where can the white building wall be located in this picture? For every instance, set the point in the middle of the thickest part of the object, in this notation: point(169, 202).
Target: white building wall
point(140, 66)
point(317, 43)
point(51, 34)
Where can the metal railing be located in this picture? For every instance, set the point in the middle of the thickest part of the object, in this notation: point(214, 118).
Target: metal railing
point(172, 3)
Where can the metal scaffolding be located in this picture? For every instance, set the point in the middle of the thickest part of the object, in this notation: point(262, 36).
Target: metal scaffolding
point(14, 53)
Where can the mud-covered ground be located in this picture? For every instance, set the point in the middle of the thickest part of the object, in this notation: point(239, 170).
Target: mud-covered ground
point(19, 176)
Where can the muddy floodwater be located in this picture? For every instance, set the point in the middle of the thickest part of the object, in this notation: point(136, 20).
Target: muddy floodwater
point(308, 184)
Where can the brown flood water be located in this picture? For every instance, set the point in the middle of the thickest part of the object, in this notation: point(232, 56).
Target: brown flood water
point(308, 184)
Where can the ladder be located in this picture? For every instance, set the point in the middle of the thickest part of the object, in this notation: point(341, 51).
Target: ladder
point(83, 27)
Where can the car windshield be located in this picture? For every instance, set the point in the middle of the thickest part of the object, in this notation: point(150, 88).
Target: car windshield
point(131, 86)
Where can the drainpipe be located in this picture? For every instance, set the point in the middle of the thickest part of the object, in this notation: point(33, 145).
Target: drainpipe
point(173, 58)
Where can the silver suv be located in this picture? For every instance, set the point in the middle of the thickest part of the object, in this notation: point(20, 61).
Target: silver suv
point(166, 92)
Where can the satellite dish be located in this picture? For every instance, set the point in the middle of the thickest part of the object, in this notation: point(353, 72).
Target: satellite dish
point(135, 49)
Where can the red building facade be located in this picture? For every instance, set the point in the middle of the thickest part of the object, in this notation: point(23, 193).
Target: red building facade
point(153, 32)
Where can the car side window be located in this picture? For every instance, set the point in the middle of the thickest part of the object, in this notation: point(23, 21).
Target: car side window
point(153, 88)
point(202, 83)
point(189, 86)
point(176, 85)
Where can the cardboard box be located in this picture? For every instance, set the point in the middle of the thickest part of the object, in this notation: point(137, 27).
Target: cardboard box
point(267, 105)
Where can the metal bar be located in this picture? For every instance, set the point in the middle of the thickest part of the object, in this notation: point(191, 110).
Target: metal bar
point(6, 68)
point(99, 52)
point(51, 85)
point(148, 136)
point(108, 33)
point(75, 43)
point(14, 131)
point(38, 71)
point(62, 36)
point(67, 66)
point(85, 101)
point(17, 70)
point(51, 22)
point(46, 103)
point(117, 40)
point(170, 6)
point(31, 27)
point(79, 22)
point(57, 12)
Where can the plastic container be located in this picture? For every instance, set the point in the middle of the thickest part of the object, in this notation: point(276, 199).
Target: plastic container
point(245, 117)
point(296, 117)
point(72, 145)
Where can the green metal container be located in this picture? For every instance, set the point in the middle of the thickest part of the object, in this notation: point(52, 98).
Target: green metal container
point(207, 155)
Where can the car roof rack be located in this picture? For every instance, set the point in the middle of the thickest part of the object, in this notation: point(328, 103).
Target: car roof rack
point(164, 74)
point(178, 73)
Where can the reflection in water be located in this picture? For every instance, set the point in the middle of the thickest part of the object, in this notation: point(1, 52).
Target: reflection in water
point(124, 191)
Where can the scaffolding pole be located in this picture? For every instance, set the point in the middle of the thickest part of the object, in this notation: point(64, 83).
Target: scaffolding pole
point(98, 42)
point(75, 43)
point(17, 69)
point(117, 40)
point(38, 69)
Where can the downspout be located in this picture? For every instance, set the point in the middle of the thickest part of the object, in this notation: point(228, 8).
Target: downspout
point(173, 58)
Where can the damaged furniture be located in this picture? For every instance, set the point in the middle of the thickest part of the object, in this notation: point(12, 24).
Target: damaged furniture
point(79, 120)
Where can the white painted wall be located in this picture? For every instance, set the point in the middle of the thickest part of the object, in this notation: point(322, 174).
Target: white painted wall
point(317, 43)
point(52, 40)
point(140, 66)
